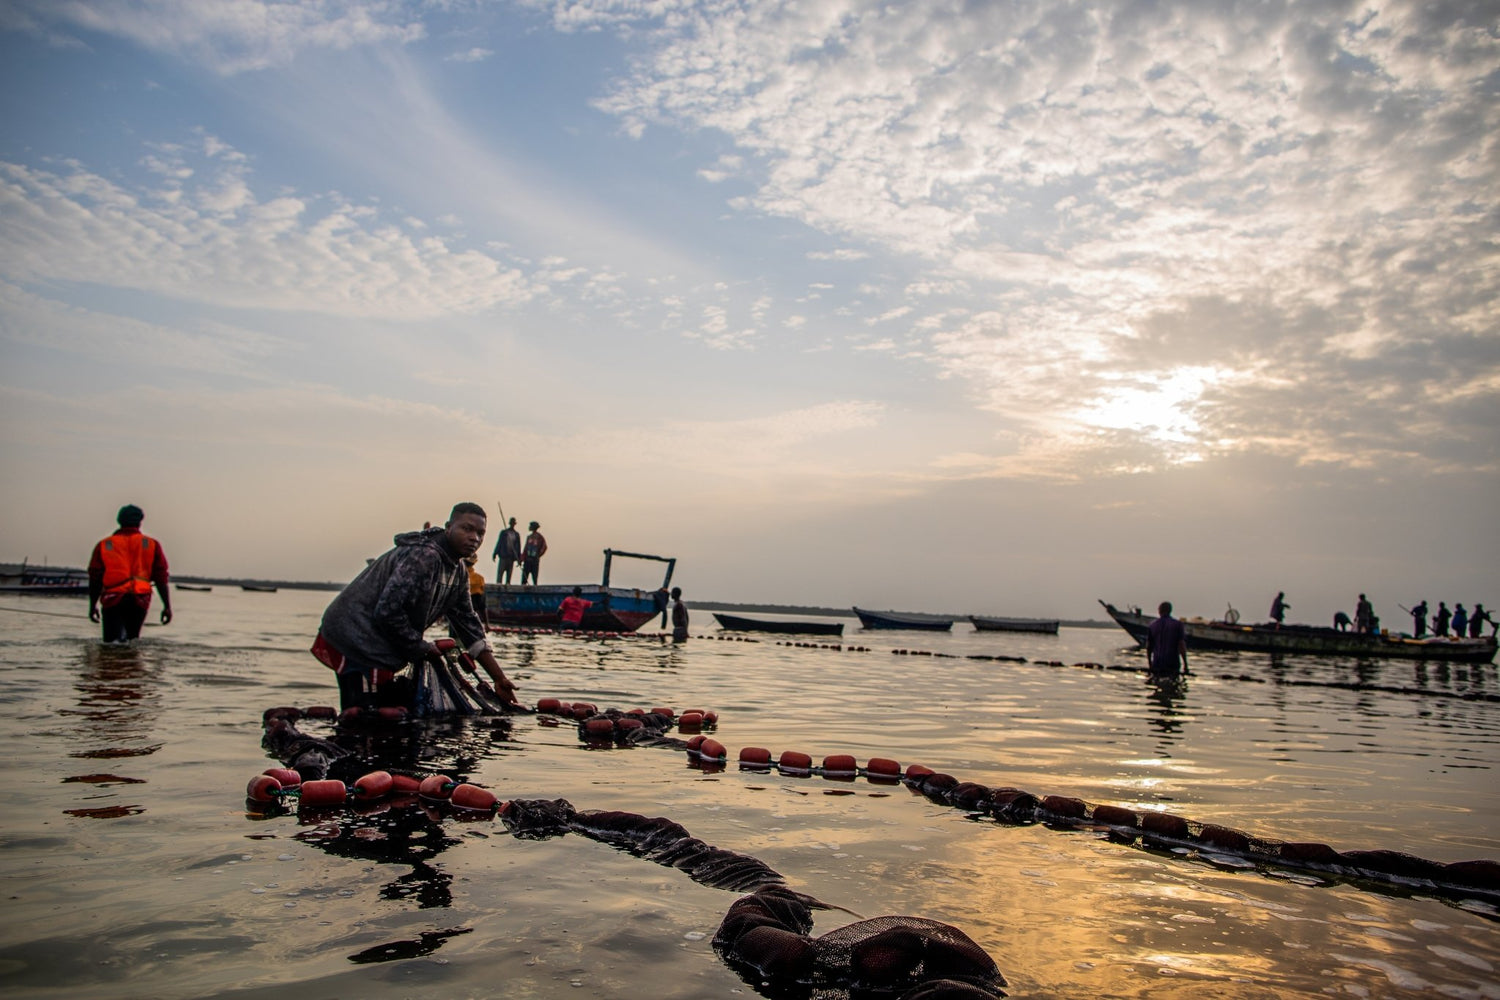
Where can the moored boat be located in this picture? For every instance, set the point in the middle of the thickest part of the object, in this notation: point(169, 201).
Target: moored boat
point(21, 578)
point(192, 586)
point(612, 609)
point(1311, 640)
point(258, 588)
point(984, 624)
point(903, 620)
point(735, 623)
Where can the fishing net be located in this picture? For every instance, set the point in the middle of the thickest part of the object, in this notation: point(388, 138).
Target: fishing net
point(764, 937)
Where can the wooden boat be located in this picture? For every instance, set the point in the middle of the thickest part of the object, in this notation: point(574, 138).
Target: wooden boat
point(899, 620)
point(258, 588)
point(1311, 640)
point(191, 586)
point(613, 609)
point(21, 578)
point(735, 623)
point(982, 624)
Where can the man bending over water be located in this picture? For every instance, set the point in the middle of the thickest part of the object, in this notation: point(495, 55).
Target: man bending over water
point(375, 626)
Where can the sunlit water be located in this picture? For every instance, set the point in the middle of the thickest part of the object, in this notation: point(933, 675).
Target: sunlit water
point(131, 868)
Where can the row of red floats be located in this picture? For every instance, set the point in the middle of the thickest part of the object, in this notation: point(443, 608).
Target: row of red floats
point(841, 766)
point(276, 784)
point(836, 647)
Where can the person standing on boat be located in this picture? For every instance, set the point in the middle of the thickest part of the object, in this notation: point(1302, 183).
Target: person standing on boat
point(1278, 608)
point(122, 570)
point(1364, 616)
point(1460, 621)
point(572, 607)
point(1441, 619)
point(508, 552)
point(679, 616)
point(1478, 619)
point(1166, 644)
point(375, 626)
point(1419, 620)
point(531, 555)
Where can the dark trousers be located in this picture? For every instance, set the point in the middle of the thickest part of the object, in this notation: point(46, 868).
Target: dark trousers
point(529, 566)
point(506, 567)
point(360, 689)
point(123, 621)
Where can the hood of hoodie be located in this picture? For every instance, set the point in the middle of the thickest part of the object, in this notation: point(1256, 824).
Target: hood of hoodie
point(427, 536)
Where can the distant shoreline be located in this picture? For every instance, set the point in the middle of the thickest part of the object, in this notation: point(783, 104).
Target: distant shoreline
point(752, 608)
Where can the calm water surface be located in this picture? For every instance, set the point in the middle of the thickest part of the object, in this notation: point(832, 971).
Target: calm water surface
point(131, 868)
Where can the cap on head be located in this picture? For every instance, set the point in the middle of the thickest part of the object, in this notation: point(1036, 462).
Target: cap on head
point(533, 526)
point(130, 516)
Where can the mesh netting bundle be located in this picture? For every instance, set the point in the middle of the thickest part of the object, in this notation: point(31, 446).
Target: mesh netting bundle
point(669, 844)
point(764, 936)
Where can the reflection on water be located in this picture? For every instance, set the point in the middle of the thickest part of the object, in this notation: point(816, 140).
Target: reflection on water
point(190, 898)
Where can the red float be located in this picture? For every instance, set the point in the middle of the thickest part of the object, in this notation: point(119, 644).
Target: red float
point(473, 797)
point(285, 776)
point(794, 760)
point(712, 749)
point(883, 767)
point(840, 763)
point(372, 786)
point(436, 786)
point(262, 788)
point(320, 794)
point(755, 756)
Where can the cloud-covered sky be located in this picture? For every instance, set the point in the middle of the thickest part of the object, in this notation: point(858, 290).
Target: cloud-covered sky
point(992, 307)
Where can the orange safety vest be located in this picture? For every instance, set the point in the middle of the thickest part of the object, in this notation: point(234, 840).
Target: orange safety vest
point(127, 563)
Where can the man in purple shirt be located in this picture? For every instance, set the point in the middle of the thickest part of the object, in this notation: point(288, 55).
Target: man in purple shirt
point(1166, 644)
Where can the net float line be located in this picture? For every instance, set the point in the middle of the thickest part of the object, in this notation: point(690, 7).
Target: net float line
point(577, 633)
point(1149, 830)
point(765, 935)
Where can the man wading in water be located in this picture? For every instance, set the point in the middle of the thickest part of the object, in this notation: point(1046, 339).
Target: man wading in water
point(374, 627)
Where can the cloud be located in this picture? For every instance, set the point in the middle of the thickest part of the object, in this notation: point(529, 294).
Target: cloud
point(208, 238)
point(1324, 177)
point(230, 36)
point(473, 55)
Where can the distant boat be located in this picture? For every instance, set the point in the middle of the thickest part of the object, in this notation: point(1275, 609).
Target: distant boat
point(897, 620)
point(983, 624)
point(194, 586)
point(735, 623)
point(613, 609)
point(20, 578)
point(257, 588)
point(1311, 640)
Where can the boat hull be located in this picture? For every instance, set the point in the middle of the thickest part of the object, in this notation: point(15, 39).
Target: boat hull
point(982, 624)
point(734, 623)
point(1309, 640)
point(893, 620)
point(613, 609)
point(19, 578)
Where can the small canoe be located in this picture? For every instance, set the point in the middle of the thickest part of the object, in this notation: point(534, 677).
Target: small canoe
point(983, 624)
point(257, 588)
point(735, 623)
point(897, 620)
point(192, 586)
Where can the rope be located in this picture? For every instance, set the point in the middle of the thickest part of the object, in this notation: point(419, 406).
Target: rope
point(33, 611)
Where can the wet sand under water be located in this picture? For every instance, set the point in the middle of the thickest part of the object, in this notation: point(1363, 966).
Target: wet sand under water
point(131, 868)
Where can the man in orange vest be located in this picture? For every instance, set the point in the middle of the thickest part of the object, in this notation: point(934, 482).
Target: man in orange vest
point(121, 572)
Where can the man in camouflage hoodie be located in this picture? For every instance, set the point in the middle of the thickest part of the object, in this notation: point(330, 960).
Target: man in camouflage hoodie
point(375, 626)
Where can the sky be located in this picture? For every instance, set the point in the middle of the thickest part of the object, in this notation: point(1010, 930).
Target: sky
point(993, 307)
